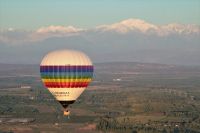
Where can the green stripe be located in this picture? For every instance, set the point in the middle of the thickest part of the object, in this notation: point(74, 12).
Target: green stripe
point(67, 74)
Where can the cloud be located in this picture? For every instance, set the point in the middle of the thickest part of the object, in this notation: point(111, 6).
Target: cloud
point(180, 29)
point(132, 25)
point(13, 36)
point(54, 31)
point(58, 29)
point(129, 25)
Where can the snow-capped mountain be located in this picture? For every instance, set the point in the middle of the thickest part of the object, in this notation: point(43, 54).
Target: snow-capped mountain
point(126, 26)
point(130, 25)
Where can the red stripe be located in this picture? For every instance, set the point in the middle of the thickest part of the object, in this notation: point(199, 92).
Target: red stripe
point(66, 84)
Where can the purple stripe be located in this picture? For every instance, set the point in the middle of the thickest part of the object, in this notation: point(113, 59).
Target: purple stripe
point(66, 68)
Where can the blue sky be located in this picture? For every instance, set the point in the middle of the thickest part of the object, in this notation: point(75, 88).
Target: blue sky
point(27, 14)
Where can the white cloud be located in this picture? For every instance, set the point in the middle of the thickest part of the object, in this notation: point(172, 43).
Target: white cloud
point(180, 28)
point(58, 29)
point(10, 29)
point(126, 26)
point(131, 25)
point(14, 36)
point(54, 31)
point(19, 36)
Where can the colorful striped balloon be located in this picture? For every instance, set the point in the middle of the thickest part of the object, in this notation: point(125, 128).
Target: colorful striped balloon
point(66, 74)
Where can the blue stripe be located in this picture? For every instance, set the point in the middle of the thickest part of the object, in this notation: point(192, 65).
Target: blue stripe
point(66, 68)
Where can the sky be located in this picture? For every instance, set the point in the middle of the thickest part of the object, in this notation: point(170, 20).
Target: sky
point(33, 14)
point(154, 31)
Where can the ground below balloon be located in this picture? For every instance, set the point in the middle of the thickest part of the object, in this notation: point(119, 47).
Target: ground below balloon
point(123, 97)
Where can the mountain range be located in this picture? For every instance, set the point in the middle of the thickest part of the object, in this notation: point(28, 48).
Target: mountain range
point(128, 40)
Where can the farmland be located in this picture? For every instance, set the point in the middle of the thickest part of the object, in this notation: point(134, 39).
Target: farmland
point(123, 97)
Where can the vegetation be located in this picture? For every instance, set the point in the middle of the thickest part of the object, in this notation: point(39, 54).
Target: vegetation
point(154, 99)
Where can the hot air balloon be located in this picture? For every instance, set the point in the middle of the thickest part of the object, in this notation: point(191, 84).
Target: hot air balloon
point(66, 74)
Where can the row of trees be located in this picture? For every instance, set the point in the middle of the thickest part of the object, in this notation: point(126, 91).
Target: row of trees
point(111, 124)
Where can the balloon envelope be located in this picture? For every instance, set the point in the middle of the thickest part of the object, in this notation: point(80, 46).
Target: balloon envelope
point(66, 74)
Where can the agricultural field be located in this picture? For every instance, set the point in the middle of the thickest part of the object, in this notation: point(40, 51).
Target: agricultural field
point(123, 98)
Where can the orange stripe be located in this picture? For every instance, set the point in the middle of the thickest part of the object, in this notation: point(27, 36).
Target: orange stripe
point(66, 84)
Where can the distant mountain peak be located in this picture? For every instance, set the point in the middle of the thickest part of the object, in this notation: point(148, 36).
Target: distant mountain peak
point(137, 24)
point(130, 25)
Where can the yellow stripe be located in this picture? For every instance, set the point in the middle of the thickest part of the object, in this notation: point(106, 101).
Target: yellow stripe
point(67, 80)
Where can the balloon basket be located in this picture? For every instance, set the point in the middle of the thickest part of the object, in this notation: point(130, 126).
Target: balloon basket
point(66, 112)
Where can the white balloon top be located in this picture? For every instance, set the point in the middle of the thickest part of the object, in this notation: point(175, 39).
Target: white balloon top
point(65, 57)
